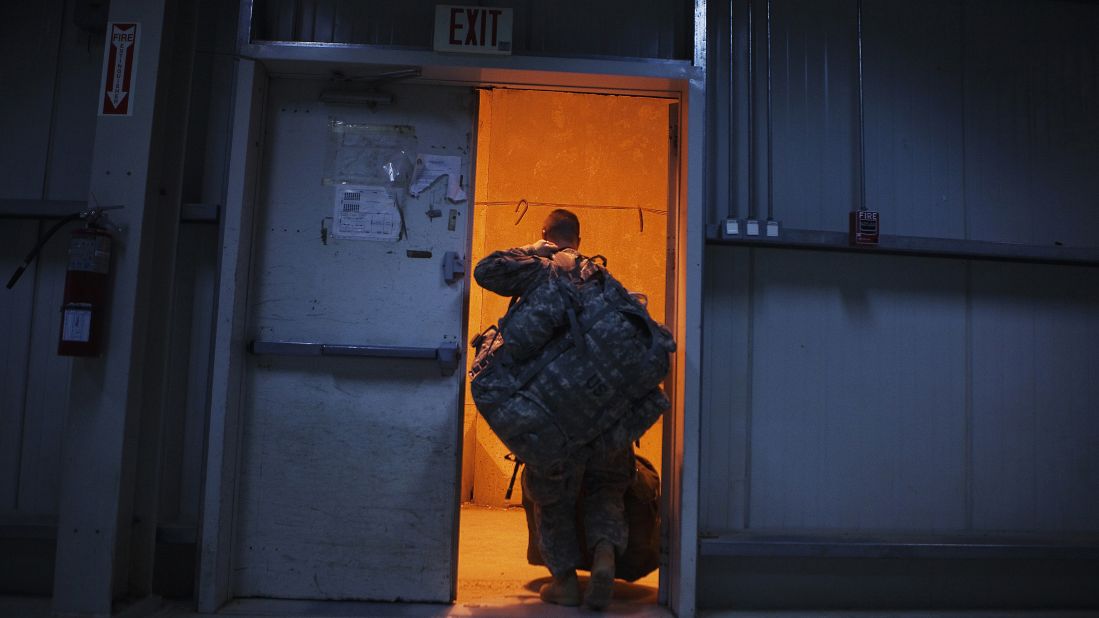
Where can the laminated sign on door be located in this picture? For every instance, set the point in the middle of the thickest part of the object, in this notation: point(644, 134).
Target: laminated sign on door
point(366, 213)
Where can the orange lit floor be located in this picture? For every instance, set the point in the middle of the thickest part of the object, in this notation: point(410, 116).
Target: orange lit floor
point(493, 570)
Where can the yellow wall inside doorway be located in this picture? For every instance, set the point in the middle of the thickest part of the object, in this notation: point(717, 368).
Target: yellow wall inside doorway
point(604, 157)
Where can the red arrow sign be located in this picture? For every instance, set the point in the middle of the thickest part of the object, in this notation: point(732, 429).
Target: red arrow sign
point(118, 69)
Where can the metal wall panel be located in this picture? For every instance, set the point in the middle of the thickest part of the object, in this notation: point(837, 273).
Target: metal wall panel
point(981, 119)
point(34, 394)
point(27, 31)
point(913, 115)
point(204, 182)
point(1035, 398)
point(931, 395)
point(189, 372)
point(914, 126)
point(1032, 121)
point(78, 73)
point(726, 397)
point(211, 97)
point(924, 398)
point(814, 107)
point(659, 29)
point(29, 35)
point(69, 152)
point(47, 125)
point(47, 398)
point(857, 384)
point(16, 239)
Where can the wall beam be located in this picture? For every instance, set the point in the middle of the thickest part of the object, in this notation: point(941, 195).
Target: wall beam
point(915, 245)
point(102, 437)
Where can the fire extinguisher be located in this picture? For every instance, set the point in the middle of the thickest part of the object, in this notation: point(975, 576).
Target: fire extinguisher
point(85, 297)
point(87, 276)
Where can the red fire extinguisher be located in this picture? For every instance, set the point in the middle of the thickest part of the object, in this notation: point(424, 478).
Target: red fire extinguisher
point(86, 282)
point(86, 279)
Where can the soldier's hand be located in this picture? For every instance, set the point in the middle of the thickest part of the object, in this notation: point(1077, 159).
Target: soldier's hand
point(544, 248)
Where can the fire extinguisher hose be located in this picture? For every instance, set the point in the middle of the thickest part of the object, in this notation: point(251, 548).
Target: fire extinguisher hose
point(38, 247)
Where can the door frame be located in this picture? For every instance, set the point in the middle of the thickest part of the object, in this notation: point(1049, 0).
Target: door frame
point(260, 62)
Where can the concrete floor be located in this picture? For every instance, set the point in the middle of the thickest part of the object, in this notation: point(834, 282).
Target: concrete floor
point(27, 607)
point(494, 580)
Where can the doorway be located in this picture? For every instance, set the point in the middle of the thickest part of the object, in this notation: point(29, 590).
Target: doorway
point(608, 159)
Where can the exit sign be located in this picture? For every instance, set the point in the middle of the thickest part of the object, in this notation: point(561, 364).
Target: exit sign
point(473, 29)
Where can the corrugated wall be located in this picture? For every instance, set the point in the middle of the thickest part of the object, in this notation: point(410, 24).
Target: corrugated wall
point(871, 395)
point(877, 393)
point(48, 123)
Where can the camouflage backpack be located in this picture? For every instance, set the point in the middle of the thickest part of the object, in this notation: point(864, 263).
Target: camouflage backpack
point(574, 358)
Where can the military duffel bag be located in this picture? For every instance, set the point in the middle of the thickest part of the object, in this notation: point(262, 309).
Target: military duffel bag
point(588, 358)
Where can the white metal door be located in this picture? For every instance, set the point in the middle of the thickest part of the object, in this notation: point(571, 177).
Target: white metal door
point(349, 462)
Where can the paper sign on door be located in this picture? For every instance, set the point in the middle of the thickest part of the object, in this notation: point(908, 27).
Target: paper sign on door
point(430, 168)
point(366, 213)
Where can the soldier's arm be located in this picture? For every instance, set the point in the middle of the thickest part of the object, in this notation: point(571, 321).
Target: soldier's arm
point(513, 271)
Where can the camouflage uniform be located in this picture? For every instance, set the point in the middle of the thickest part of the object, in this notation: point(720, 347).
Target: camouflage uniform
point(604, 476)
point(602, 471)
point(512, 272)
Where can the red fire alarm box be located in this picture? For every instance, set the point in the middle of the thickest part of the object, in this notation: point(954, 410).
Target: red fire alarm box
point(864, 227)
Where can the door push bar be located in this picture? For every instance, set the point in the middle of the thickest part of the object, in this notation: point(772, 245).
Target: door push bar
point(447, 354)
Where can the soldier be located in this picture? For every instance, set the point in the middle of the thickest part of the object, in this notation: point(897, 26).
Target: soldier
point(600, 470)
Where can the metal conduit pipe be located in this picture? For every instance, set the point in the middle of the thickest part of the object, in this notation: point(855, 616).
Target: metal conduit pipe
point(733, 209)
point(751, 118)
point(770, 158)
point(862, 140)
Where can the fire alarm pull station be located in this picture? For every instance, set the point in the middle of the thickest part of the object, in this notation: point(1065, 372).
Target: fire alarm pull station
point(864, 227)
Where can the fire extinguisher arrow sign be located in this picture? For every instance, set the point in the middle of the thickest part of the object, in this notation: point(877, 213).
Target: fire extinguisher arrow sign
point(119, 64)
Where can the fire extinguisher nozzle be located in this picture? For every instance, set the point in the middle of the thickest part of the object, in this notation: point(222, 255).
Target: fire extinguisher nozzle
point(15, 276)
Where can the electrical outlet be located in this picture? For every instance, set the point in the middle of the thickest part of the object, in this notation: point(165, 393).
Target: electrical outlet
point(732, 227)
point(751, 227)
point(772, 228)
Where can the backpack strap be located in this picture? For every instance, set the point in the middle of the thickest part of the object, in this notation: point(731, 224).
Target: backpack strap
point(567, 262)
point(573, 264)
point(514, 473)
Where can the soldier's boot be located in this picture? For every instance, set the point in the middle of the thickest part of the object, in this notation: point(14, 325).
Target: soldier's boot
point(601, 584)
point(562, 591)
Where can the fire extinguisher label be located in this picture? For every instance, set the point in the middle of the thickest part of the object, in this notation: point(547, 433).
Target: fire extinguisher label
point(90, 253)
point(76, 324)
